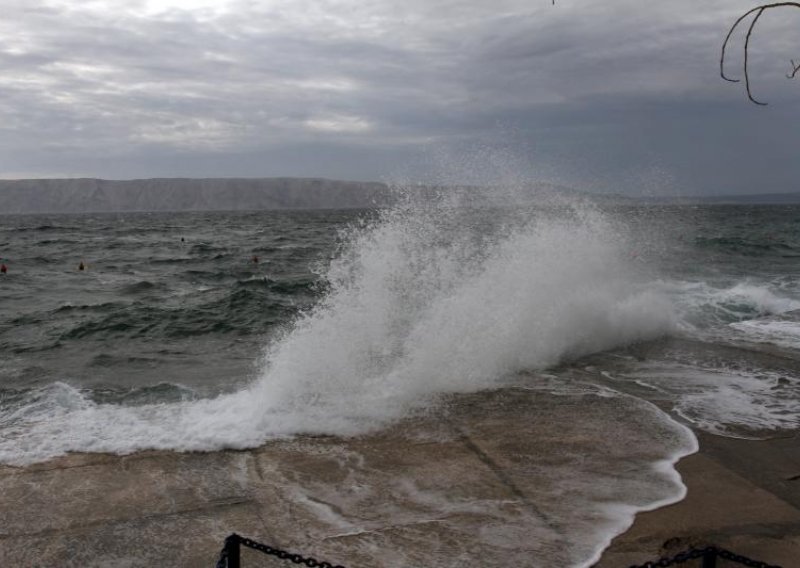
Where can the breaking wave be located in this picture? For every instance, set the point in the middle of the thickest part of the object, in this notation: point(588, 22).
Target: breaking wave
point(428, 299)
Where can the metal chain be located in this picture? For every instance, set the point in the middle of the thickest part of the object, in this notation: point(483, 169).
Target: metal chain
point(223, 558)
point(660, 563)
point(283, 555)
point(677, 559)
point(728, 555)
point(699, 553)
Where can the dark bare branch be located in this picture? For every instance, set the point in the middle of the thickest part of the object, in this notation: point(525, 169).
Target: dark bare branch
point(746, 58)
point(795, 69)
point(758, 11)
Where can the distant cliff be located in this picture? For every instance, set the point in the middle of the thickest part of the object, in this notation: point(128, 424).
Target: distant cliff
point(756, 199)
point(231, 194)
point(182, 194)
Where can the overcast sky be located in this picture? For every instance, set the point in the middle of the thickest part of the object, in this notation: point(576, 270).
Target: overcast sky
point(605, 95)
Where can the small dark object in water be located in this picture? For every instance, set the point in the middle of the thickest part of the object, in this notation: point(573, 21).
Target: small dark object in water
point(81, 266)
point(3, 268)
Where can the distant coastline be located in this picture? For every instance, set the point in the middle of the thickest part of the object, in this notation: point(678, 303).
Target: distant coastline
point(745, 199)
point(87, 195)
point(90, 195)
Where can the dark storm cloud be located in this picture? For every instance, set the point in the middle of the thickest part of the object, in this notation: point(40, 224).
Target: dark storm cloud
point(613, 95)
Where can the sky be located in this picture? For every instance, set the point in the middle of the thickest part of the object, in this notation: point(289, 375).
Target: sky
point(616, 96)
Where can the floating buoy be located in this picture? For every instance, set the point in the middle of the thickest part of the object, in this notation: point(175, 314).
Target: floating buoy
point(81, 266)
point(3, 268)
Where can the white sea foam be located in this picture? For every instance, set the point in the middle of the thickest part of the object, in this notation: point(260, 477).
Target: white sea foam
point(661, 486)
point(701, 304)
point(784, 333)
point(423, 302)
point(733, 401)
point(747, 311)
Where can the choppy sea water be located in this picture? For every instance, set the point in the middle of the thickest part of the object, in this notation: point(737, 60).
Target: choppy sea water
point(202, 331)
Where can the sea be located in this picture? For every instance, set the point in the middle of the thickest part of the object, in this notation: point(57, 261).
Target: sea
point(200, 331)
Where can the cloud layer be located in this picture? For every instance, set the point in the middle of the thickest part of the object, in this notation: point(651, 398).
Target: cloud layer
point(620, 95)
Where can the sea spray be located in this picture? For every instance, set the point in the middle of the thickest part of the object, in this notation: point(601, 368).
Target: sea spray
point(423, 304)
point(435, 296)
point(419, 311)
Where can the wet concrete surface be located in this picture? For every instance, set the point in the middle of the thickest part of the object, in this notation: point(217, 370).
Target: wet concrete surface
point(470, 485)
point(743, 496)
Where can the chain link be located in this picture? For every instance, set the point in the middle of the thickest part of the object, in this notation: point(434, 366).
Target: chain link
point(728, 555)
point(660, 563)
point(223, 557)
point(282, 554)
point(677, 559)
point(701, 552)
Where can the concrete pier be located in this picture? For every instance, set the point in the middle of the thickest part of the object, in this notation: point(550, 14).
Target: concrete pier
point(467, 486)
